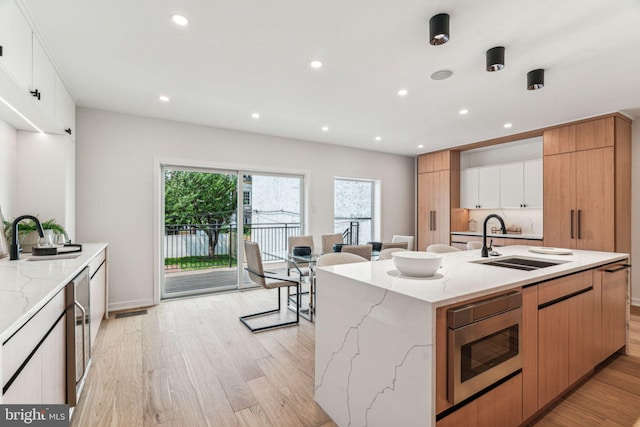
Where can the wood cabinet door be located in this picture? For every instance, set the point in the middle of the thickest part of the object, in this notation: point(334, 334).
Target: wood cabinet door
point(433, 162)
point(425, 195)
point(582, 340)
point(614, 309)
point(441, 182)
point(595, 200)
point(560, 200)
point(559, 140)
point(595, 134)
point(553, 348)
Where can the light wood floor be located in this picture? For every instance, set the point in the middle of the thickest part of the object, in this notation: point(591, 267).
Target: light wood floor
point(190, 363)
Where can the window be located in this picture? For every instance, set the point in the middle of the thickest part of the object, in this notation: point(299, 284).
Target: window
point(354, 209)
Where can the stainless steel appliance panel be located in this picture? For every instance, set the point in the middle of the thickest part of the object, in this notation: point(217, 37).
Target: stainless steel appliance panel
point(78, 334)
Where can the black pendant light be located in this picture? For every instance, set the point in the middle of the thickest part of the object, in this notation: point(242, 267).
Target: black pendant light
point(439, 29)
point(495, 58)
point(535, 79)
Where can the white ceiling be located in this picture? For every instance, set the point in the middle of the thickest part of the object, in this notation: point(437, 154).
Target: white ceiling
point(242, 56)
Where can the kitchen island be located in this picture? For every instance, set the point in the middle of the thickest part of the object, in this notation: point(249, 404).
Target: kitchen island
point(377, 340)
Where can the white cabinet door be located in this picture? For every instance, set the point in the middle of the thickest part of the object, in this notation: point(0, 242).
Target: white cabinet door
point(44, 79)
point(533, 183)
point(65, 109)
point(15, 39)
point(469, 188)
point(489, 187)
point(511, 185)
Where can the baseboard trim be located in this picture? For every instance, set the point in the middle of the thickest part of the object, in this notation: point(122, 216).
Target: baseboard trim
point(128, 305)
point(635, 302)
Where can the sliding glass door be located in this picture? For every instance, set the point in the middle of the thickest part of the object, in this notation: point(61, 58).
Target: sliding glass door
point(209, 213)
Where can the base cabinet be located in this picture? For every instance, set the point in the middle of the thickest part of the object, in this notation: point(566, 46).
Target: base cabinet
point(500, 407)
point(614, 306)
point(98, 293)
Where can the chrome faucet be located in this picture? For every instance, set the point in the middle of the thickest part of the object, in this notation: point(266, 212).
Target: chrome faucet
point(14, 251)
point(485, 251)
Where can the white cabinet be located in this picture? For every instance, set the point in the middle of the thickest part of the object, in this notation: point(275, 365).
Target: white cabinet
point(34, 359)
point(43, 88)
point(15, 39)
point(98, 293)
point(480, 187)
point(521, 184)
point(65, 109)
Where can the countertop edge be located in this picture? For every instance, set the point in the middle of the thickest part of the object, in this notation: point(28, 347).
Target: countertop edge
point(95, 249)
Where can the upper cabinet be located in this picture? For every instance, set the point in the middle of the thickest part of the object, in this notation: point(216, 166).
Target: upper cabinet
point(480, 187)
point(579, 137)
point(15, 40)
point(29, 82)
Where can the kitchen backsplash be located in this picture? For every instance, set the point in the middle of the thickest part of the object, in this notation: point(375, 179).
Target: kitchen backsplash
point(529, 220)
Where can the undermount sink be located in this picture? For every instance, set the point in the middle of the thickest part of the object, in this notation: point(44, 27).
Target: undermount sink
point(520, 263)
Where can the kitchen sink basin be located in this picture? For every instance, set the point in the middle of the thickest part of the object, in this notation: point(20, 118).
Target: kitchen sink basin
point(520, 263)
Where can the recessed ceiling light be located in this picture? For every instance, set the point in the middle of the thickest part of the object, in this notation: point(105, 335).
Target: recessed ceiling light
point(179, 20)
point(325, 129)
point(378, 138)
point(403, 92)
point(463, 111)
point(255, 115)
point(421, 146)
point(507, 125)
point(164, 98)
point(316, 64)
point(441, 75)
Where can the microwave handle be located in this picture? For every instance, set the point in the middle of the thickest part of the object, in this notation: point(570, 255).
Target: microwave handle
point(84, 318)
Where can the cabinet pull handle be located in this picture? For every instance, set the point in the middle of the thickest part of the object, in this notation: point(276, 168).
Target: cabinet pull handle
point(617, 267)
point(35, 94)
point(68, 130)
point(430, 220)
point(84, 319)
point(579, 223)
point(572, 212)
point(0, 50)
point(435, 223)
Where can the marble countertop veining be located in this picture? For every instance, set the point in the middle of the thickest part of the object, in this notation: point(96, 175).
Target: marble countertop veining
point(26, 286)
point(459, 278)
point(504, 236)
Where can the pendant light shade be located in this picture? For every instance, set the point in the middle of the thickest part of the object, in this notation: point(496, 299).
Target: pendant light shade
point(439, 29)
point(495, 58)
point(535, 79)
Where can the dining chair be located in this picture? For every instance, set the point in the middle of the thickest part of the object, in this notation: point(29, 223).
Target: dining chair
point(402, 245)
point(363, 250)
point(336, 258)
point(474, 244)
point(267, 280)
point(293, 241)
point(328, 240)
point(386, 253)
point(441, 249)
point(400, 238)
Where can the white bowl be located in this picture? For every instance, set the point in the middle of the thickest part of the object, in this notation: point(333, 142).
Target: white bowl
point(416, 264)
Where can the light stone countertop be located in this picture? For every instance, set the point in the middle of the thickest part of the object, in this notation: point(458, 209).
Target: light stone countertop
point(26, 286)
point(504, 236)
point(459, 278)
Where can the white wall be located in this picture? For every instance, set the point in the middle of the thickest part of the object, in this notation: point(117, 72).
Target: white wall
point(116, 154)
point(46, 178)
point(635, 212)
point(8, 158)
point(517, 151)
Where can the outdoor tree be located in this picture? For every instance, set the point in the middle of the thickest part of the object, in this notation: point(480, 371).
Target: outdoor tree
point(205, 200)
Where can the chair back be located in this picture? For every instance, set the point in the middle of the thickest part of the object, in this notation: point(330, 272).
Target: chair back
point(293, 241)
point(474, 244)
point(441, 249)
point(328, 240)
point(254, 263)
point(399, 238)
point(402, 245)
point(335, 258)
point(363, 250)
point(386, 253)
